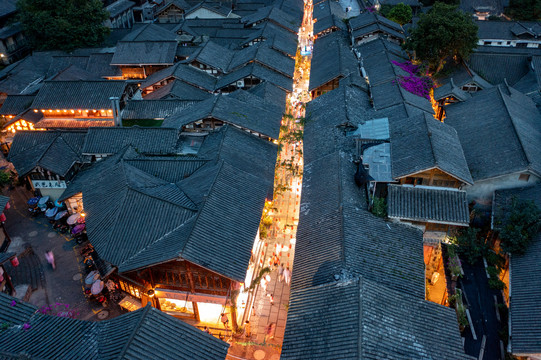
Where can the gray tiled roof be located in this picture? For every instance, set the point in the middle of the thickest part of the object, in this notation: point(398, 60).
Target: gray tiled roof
point(16, 104)
point(336, 234)
point(450, 89)
point(138, 211)
point(144, 140)
point(254, 115)
point(184, 72)
point(123, 337)
point(422, 143)
point(525, 307)
point(178, 89)
point(435, 205)
point(118, 7)
point(279, 38)
point(495, 67)
point(508, 30)
point(220, 9)
point(367, 22)
point(175, 203)
point(149, 32)
point(213, 55)
point(260, 72)
point(61, 62)
point(265, 55)
point(362, 319)
point(236, 231)
point(332, 58)
point(493, 7)
point(153, 109)
point(271, 93)
point(329, 22)
point(145, 53)
point(56, 151)
point(25, 76)
point(274, 14)
point(505, 136)
point(78, 94)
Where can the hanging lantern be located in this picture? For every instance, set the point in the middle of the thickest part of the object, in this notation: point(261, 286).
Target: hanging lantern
point(15, 261)
point(2, 217)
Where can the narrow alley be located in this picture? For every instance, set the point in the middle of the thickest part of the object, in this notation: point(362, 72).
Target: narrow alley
point(268, 315)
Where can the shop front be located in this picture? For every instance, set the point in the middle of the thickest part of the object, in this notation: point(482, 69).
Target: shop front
point(200, 307)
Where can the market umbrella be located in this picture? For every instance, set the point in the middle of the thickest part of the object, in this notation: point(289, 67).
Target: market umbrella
point(92, 277)
point(97, 287)
point(73, 218)
point(77, 229)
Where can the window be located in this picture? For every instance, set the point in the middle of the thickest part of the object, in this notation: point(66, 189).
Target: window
point(524, 177)
point(130, 289)
point(177, 307)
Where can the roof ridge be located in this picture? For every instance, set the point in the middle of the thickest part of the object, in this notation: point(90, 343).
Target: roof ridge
point(145, 311)
point(430, 139)
point(203, 202)
point(514, 125)
point(158, 240)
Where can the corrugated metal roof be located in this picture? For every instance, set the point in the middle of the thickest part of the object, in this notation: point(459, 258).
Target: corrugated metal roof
point(428, 204)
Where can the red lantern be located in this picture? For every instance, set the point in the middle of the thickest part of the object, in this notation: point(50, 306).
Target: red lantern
point(15, 261)
point(8, 205)
point(2, 218)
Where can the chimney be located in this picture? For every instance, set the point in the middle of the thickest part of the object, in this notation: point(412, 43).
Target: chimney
point(115, 102)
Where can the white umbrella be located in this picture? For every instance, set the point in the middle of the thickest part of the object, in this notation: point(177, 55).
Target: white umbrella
point(97, 287)
point(92, 277)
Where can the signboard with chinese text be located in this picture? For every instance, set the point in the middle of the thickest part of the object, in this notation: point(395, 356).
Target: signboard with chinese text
point(181, 295)
point(49, 184)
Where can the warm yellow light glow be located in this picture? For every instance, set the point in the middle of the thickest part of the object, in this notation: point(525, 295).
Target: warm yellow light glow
point(23, 123)
point(72, 111)
point(209, 312)
point(83, 214)
point(35, 110)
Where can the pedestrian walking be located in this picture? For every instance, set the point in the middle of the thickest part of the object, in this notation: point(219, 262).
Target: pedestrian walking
point(50, 258)
point(207, 330)
point(287, 275)
point(271, 298)
point(280, 272)
point(224, 319)
point(247, 329)
point(263, 283)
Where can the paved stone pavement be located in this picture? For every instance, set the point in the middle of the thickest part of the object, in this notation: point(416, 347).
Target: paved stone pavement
point(65, 284)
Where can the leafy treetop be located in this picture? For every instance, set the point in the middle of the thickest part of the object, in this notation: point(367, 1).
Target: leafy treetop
point(520, 224)
point(63, 24)
point(400, 14)
point(443, 32)
point(525, 10)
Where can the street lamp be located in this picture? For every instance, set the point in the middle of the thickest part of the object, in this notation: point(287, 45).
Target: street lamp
point(377, 5)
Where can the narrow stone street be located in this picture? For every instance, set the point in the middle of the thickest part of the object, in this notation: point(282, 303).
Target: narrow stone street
point(31, 238)
point(268, 313)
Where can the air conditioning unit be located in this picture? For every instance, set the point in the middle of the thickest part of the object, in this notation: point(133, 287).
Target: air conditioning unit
point(240, 83)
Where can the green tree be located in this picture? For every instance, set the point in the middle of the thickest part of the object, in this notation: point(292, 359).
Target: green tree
point(520, 224)
point(443, 32)
point(400, 14)
point(526, 10)
point(63, 24)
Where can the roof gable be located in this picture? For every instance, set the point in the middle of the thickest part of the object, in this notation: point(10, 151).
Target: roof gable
point(422, 143)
